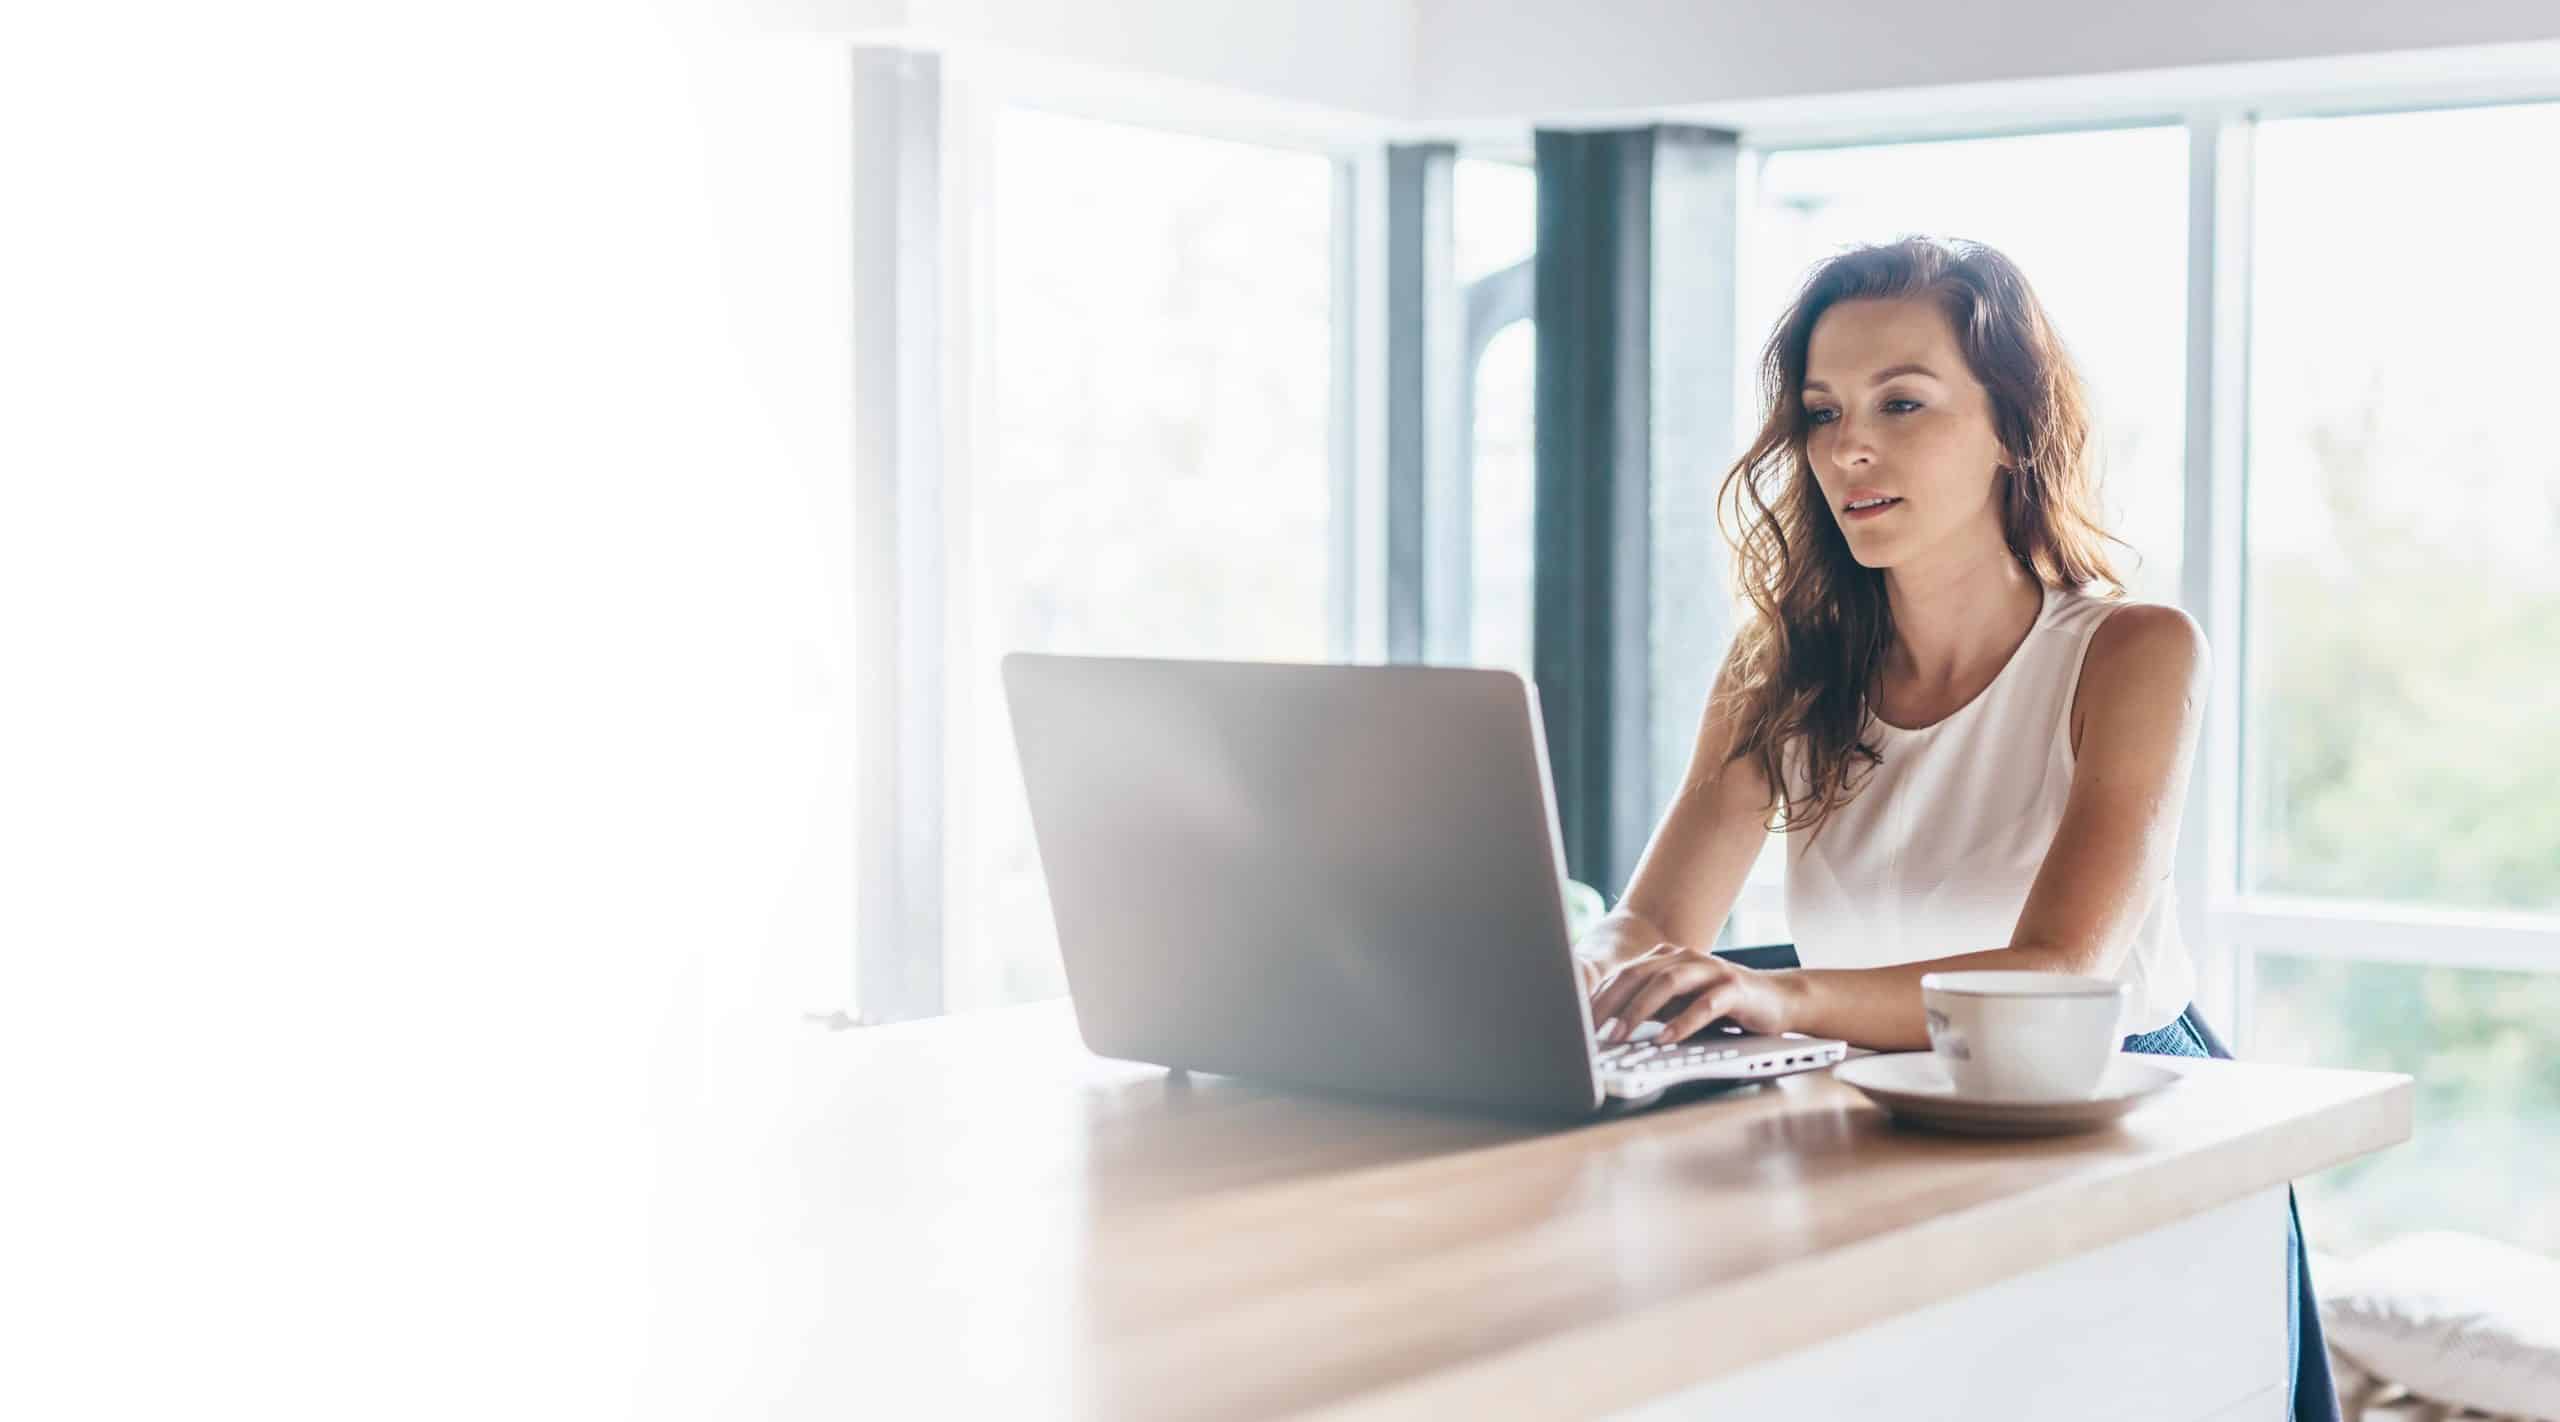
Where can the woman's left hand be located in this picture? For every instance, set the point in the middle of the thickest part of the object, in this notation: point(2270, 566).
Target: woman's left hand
point(1695, 988)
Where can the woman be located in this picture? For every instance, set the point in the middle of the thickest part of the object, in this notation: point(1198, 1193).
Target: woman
point(1976, 746)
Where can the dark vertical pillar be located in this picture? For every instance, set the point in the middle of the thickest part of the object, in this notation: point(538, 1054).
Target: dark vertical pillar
point(1635, 267)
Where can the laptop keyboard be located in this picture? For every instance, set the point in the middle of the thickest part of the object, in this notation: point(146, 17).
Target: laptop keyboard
point(1647, 1056)
point(1648, 1064)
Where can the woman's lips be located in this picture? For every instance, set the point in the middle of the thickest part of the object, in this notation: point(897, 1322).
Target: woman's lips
point(1877, 511)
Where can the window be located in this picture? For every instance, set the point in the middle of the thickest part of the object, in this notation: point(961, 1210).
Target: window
point(1152, 471)
point(1495, 227)
point(1505, 500)
point(2479, 1044)
point(1495, 221)
point(2096, 220)
point(2403, 623)
point(2404, 502)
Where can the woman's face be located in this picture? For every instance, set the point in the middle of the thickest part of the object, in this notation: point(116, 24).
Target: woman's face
point(1893, 412)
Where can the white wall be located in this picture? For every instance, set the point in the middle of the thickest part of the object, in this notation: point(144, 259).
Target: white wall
point(425, 672)
point(1355, 70)
point(1351, 55)
point(1552, 57)
point(1419, 61)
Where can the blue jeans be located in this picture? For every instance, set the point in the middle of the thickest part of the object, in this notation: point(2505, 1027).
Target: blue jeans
point(2314, 1395)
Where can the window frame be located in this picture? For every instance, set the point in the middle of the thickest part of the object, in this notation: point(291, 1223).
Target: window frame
point(944, 207)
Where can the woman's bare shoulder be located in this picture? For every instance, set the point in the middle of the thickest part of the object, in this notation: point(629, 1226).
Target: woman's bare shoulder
point(2148, 640)
point(2146, 660)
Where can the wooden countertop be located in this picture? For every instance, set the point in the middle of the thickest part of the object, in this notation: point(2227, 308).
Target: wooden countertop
point(994, 1217)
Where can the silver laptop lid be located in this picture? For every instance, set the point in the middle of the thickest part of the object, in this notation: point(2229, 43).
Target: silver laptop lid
point(1336, 876)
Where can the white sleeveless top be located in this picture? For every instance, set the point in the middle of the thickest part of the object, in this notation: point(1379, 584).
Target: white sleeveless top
point(1935, 852)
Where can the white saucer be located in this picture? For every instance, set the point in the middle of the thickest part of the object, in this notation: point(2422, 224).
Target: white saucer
point(1912, 1086)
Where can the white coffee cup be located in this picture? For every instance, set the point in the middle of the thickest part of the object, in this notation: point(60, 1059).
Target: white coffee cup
point(2016, 1036)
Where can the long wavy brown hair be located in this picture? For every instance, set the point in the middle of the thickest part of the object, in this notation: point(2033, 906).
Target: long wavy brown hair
point(1803, 669)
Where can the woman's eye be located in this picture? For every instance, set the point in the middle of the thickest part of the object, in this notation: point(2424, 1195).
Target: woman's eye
point(1815, 416)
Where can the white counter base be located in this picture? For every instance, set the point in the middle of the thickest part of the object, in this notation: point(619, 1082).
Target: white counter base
point(2186, 1321)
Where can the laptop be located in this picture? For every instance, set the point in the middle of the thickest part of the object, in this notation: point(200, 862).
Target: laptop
point(1330, 876)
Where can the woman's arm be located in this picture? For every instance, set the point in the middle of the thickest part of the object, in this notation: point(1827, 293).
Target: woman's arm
point(1692, 869)
point(2141, 710)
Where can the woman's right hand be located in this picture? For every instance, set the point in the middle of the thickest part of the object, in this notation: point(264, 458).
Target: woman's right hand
point(1614, 942)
